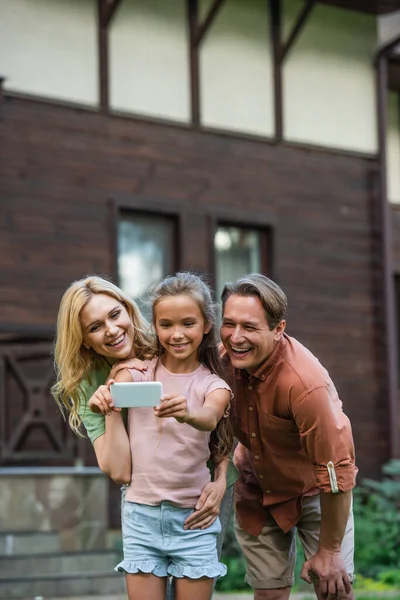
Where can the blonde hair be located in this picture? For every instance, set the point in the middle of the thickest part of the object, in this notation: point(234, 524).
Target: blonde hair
point(73, 362)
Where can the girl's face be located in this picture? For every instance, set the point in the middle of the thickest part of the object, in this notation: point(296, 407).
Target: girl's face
point(180, 327)
point(107, 327)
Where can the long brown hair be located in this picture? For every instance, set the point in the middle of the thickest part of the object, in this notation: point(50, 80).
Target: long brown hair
point(195, 287)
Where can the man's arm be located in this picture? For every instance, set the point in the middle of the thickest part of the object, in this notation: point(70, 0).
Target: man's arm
point(327, 439)
point(326, 569)
point(208, 505)
point(335, 511)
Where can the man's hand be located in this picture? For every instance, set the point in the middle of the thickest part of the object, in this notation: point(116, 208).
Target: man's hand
point(208, 505)
point(326, 570)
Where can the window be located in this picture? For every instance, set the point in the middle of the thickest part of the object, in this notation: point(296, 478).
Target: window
point(146, 252)
point(238, 251)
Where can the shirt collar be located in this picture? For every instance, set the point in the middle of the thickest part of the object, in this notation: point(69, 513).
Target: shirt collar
point(265, 367)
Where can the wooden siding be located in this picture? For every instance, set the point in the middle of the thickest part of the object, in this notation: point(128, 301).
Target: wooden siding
point(396, 238)
point(59, 166)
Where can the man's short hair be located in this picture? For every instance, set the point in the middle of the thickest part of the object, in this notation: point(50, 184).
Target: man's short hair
point(272, 297)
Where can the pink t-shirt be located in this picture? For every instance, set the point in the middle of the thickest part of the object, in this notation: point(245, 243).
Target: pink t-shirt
point(169, 458)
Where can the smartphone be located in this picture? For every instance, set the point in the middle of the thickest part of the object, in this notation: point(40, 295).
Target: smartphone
point(136, 393)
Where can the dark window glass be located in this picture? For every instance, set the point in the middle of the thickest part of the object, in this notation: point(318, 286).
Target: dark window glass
point(237, 253)
point(146, 252)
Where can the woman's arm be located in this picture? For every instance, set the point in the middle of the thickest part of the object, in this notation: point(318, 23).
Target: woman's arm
point(107, 434)
point(113, 451)
point(204, 418)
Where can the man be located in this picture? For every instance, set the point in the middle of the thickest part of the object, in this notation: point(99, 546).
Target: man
point(295, 454)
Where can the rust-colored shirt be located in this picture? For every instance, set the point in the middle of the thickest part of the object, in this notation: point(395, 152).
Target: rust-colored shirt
point(294, 439)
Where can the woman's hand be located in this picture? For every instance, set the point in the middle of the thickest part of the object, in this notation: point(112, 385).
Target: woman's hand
point(131, 363)
point(101, 401)
point(208, 505)
point(173, 405)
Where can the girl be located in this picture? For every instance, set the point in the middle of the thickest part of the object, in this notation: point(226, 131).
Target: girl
point(93, 314)
point(170, 447)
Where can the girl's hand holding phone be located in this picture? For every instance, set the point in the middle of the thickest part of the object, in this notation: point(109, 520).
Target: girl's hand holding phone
point(173, 405)
point(101, 401)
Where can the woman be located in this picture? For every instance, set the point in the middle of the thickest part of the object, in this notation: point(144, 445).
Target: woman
point(99, 326)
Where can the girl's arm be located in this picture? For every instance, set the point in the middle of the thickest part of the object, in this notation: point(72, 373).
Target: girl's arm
point(204, 418)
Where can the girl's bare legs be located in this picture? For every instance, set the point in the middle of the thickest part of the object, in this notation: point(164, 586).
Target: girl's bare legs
point(170, 595)
point(146, 585)
point(190, 589)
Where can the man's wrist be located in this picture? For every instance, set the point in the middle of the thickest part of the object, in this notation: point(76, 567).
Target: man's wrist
point(324, 549)
point(220, 476)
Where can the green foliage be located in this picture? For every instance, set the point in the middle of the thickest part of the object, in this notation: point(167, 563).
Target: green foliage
point(377, 526)
point(370, 585)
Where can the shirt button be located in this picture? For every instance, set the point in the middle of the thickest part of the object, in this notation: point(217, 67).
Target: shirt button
point(253, 435)
point(267, 491)
point(250, 408)
point(261, 476)
point(256, 457)
point(250, 387)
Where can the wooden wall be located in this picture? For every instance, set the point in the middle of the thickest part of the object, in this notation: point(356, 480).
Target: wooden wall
point(59, 166)
point(396, 237)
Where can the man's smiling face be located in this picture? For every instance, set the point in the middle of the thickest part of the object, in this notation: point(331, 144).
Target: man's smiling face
point(245, 332)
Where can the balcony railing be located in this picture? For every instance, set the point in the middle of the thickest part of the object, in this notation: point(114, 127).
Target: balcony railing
point(32, 429)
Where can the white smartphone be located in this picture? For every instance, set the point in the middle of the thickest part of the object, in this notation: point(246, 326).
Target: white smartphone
point(136, 394)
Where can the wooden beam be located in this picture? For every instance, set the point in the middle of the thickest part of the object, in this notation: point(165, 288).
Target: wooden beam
point(193, 11)
point(388, 47)
point(106, 10)
point(275, 14)
point(42, 332)
point(197, 33)
point(388, 289)
point(208, 21)
point(103, 56)
point(109, 10)
point(298, 26)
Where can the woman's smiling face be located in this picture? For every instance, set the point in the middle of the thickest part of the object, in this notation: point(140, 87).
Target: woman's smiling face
point(107, 327)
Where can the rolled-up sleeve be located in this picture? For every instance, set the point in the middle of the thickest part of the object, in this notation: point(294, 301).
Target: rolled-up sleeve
point(326, 437)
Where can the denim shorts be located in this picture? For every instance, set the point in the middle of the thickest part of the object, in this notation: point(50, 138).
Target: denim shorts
point(155, 542)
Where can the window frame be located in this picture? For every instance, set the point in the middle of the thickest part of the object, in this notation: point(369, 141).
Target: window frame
point(262, 224)
point(145, 207)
